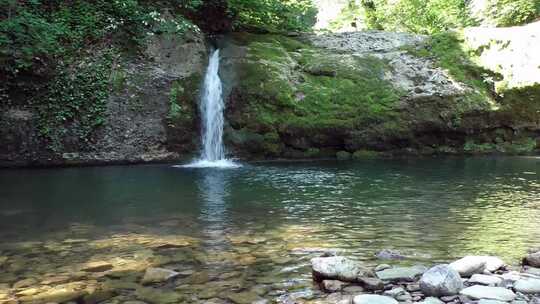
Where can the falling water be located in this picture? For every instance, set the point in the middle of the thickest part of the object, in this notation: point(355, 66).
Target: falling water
point(211, 107)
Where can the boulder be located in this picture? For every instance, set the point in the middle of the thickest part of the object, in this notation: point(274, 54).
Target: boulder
point(483, 279)
point(373, 299)
point(158, 275)
point(401, 273)
point(441, 280)
point(338, 268)
point(532, 259)
point(478, 292)
point(470, 265)
point(529, 286)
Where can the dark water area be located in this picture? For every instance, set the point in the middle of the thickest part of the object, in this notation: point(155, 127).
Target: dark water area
point(268, 219)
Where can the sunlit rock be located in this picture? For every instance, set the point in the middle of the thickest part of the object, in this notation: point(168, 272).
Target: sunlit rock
point(441, 280)
point(340, 268)
point(483, 279)
point(528, 286)
point(98, 266)
point(478, 292)
point(25, 283)
point(401, 273)
point(58, 294)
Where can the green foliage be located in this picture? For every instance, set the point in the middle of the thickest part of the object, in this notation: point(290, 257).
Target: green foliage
point(274, 15)
point(417, 16)
point(512, 12)
point(76, 98)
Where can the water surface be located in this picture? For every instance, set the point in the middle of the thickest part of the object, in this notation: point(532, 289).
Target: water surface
point(265, 220)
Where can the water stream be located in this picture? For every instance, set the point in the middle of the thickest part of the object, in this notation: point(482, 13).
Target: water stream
point(211, 107)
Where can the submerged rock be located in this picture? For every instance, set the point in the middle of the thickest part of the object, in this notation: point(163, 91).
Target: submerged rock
point(373, 299)
point(97, 266)
point(339, 268)
point(401, 273)
point(441, 280)
point(388, 254)
point(25, 283)
point(478, 292)
point(58, 294)
point(158, 275)
point(332, 285)
point(158, 296)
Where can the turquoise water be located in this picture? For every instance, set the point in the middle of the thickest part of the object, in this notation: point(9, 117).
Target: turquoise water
point(269, 218)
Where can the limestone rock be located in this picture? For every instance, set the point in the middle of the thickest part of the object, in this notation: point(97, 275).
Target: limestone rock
point(441, 280)
point(373, 299)
point(483, 279)
point(339, 268)
point(401, 273)
point(158, 275)
point(530, 286)
point(478, 292)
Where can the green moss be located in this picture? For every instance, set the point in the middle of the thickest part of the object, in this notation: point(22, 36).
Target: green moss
point(364, 154)
point(343, 155)
point(183, 97)
point(522, 104)
point(478, 148)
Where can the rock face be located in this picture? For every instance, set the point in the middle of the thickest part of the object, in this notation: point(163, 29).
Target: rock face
point(139, 123)
point(478, 292)
point(373, 299)
point(441, 280)
point(339, 268)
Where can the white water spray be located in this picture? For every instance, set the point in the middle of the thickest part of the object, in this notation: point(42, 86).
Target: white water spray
point(211, 107)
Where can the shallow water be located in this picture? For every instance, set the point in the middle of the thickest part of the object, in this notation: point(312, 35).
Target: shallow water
point(260, 224)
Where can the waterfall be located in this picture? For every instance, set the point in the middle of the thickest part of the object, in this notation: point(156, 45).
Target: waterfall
point(211, 107)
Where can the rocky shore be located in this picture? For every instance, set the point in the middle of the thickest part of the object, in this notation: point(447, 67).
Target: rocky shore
point(471, 279)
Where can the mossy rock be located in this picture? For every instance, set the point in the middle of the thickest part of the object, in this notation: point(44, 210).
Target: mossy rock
point(343, 155)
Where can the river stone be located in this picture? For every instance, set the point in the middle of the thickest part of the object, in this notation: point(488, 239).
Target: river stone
point(158, 275)
point(332, 285)
point(25, 283)
point(483, 279)
point(372, 284)
point(486, 301)
point(401, 273)
point(472, 264)
point(373, 299)
point(530, 286)
point(432, 300)
point(441, 280)
point(97, 266)
point(59, 294)
point(158, 296)
point(532, 259)
point(246, 297)
point(338, 268)
point(478, 292)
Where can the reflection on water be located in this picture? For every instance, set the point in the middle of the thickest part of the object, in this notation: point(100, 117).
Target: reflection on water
point(264, 221)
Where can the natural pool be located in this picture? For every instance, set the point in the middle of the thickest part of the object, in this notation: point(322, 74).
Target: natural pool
point(240, 234)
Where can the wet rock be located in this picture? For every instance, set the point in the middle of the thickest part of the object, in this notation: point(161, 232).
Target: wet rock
point(373, 299)
point(97, 266)
point(339, 268)
point(528, 286)
point(470, 265)
point(246, 297)
point(354, 289)
point(532, 259)
point(388, 254)
point(98, 295)
point(372, 284)
point(483, 279)
point(478, 292)
point(158, 296)
point(432, 300)
point(395, 292)
point(158, 275)
point(401, 273)
point(58, 294)
point(25, 283)
point(485, 301)
point(382, 267)
point(441, 280)
point(332, 285)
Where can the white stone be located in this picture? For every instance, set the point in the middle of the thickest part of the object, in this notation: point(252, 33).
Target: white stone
point(478, 292)
point(529, 286)
point(485, 280)
point(470, 265)
point(158, 275)
point(373, 299)
point(441, 280)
